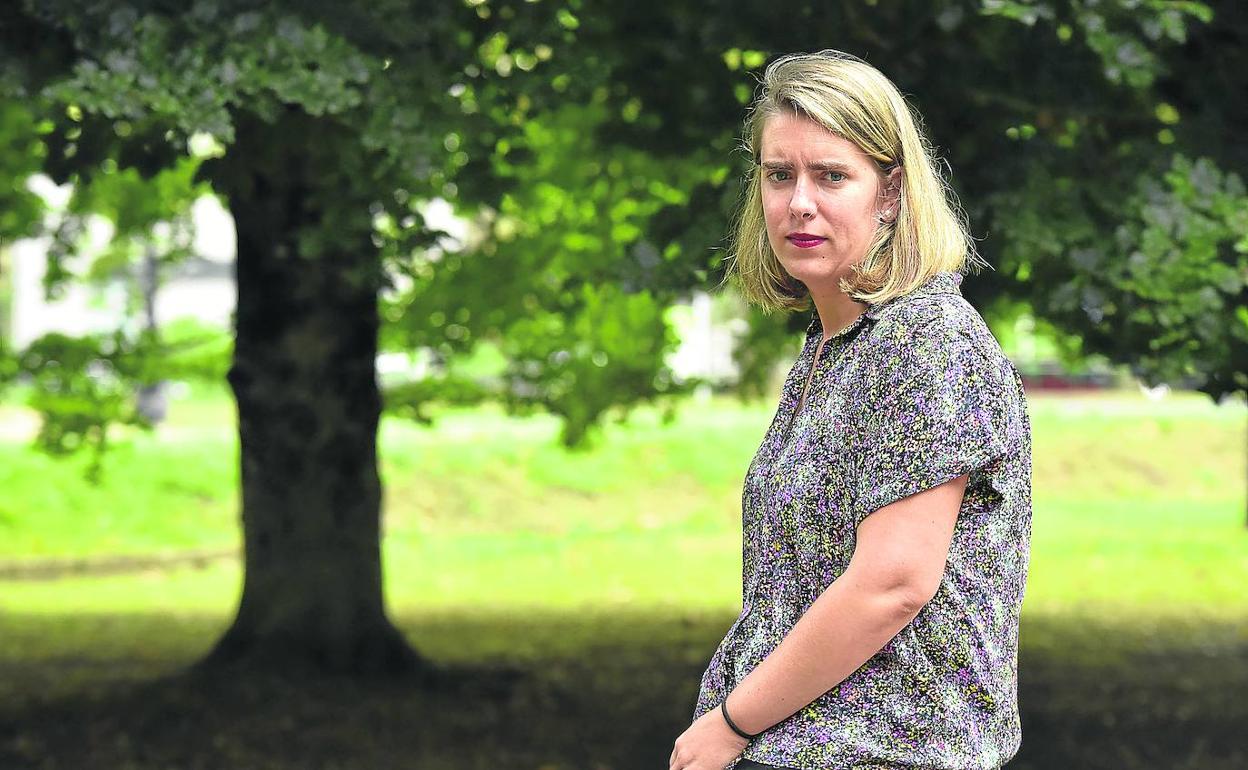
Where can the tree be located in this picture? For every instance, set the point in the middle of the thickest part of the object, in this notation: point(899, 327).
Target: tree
point(338, 122)
point(333, 118)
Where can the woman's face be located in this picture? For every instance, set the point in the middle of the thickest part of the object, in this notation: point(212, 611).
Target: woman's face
point(818, 184)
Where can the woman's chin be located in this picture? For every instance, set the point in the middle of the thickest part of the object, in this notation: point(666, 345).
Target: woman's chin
point(813, 270)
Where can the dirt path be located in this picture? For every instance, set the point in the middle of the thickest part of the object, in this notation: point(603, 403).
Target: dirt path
point(54, 568)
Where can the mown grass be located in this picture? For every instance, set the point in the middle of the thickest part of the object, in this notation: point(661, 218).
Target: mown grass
point(1137, 505)
point(606, 578)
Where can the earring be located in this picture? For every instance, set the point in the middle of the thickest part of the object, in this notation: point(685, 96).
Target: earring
point(884, 216)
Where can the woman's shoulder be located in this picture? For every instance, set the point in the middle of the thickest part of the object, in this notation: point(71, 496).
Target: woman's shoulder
point(933, 346)
point(932, 335)
point(933, 317)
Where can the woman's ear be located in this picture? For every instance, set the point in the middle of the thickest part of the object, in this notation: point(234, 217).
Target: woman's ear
point(890, 193)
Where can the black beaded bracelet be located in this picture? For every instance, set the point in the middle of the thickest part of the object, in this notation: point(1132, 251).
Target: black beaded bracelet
point(723, 708)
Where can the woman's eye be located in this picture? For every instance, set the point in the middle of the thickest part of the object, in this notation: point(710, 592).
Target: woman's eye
point(783, 176)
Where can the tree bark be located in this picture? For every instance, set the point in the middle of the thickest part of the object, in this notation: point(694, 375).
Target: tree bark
point(303, 374)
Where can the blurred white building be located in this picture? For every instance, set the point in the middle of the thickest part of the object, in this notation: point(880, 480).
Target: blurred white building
point(201, 287)
point(706, 345)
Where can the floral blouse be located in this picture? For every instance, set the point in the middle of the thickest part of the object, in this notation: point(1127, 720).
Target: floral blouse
point(914, 393)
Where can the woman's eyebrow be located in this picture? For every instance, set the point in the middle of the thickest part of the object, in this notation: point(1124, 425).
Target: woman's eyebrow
point(819, 165)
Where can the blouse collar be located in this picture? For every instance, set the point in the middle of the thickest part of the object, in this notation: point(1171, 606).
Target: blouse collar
point(940, 283)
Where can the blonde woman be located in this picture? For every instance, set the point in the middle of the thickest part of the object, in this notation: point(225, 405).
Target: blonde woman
point(887, 513)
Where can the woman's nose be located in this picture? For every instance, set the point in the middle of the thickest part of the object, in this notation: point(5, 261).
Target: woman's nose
point(802, 203)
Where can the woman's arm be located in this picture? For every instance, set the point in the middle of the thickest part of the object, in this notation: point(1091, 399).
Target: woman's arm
point(897, 566)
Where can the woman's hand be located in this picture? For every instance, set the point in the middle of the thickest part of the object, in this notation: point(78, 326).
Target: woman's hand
point(708, 744)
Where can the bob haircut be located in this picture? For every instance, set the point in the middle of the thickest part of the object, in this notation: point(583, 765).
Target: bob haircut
point(857, 102)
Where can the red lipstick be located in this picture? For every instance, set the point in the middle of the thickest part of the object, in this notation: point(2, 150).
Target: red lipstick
point(805, 240)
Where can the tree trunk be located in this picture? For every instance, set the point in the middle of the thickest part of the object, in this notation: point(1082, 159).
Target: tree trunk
point(303, 375)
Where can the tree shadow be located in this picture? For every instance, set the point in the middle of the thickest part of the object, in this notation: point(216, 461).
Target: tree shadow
point(601, 689)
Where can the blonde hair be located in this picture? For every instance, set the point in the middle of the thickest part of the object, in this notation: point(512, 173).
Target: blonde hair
point(857, 102)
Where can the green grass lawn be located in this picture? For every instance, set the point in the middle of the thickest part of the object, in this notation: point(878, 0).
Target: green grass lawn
point(1139, 507)
point(607, 576)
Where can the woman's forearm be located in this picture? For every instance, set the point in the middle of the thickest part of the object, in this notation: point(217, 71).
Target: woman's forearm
point(840, 631)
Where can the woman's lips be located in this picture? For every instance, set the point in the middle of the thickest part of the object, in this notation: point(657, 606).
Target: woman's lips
point(806, 243)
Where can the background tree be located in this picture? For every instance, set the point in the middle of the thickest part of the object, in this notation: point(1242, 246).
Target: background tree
point(334, 117)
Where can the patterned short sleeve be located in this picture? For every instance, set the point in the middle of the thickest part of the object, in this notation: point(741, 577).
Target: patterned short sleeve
point(938, 409)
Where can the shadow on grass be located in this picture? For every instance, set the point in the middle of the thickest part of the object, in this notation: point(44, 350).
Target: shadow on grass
point(547, 691)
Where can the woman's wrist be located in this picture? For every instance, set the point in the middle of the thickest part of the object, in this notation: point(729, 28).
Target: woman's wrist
point(732, 723)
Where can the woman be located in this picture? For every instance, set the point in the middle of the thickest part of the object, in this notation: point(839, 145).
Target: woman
point(887, 514)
